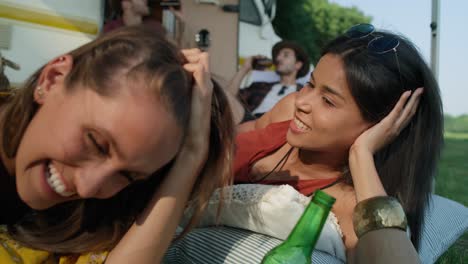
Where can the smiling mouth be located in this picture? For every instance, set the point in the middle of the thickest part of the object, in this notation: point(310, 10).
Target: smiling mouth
point(55, 181)
point(300, 125)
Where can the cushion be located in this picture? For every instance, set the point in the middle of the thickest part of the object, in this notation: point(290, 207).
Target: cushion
point(270, 210)
point(228, 245)
point(445, 222)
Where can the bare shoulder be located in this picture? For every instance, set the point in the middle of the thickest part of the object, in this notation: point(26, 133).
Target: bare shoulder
point(282, 111)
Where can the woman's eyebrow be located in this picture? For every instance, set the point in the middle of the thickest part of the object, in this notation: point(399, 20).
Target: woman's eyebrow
point(334, 92)
point(328, 89)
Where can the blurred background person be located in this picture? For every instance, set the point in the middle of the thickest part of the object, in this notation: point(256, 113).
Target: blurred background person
point(291, 62)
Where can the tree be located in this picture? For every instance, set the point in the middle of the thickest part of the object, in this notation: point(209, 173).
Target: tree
point(312, 23)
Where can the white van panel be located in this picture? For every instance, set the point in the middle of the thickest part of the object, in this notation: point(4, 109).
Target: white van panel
point(34, 44)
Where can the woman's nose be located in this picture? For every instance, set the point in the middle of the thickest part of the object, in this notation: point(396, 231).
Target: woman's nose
point(304, 100)
point(98, 182)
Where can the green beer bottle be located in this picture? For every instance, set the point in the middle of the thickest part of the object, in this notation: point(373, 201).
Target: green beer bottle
point(298, 247)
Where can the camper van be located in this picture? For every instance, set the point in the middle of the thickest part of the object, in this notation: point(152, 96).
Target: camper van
point(34, 31)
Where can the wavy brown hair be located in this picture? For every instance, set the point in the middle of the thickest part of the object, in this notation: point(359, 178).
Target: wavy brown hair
point(98, 224)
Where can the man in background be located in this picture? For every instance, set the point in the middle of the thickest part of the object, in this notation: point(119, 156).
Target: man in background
point(291, 62)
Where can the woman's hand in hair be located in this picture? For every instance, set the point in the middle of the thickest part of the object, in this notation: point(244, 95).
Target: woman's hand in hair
point(385, 131)
point(149, 237)
point(366, 180)
point(197, 138)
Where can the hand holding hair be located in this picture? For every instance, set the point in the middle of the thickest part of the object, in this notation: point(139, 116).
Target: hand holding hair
point(382, 133)
point(198, 134)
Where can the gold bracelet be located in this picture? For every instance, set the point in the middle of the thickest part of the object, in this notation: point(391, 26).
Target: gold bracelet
point(378, 212)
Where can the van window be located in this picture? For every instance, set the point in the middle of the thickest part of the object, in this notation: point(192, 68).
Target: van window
point(249, 13)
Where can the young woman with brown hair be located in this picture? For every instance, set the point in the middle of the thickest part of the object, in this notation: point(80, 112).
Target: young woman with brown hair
point(110, 141)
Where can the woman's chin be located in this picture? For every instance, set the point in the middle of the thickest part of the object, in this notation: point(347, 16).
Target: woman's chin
point(36, 204)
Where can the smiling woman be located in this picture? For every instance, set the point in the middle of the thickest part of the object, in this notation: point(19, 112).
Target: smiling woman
point(367, 124)
point(98, 133)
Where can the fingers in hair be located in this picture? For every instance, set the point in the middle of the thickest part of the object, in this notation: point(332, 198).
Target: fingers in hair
point(398, 108)
point(410, 108)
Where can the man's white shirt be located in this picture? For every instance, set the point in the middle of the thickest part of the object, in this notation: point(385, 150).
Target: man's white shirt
point(272, 97)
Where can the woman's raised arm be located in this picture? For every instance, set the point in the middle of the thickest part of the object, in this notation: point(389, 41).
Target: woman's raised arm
point(149, 237)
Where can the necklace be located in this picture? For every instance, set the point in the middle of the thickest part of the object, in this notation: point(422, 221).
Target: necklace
point(281, 162)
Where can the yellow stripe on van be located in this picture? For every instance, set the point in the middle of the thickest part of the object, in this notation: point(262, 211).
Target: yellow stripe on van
point(47, 19)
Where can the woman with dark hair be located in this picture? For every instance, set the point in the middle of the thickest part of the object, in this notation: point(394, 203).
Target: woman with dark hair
point(107, 142)
point(367, 129)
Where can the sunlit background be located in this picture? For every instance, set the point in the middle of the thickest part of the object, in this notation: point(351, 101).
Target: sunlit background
point(412, 18)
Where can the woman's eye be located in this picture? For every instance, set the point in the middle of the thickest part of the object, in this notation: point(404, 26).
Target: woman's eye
point(328, 102)
point(127, 175)
point(100, 148)
point(310, 84)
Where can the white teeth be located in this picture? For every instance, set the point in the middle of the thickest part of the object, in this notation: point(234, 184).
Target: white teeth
point(55, 182)
point(301, 125)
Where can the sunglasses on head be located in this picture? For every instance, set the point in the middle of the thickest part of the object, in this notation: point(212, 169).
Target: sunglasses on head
point(379, 44)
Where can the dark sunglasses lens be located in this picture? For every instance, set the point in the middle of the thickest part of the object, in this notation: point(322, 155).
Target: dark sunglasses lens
point(383, 44)
point(360, 31)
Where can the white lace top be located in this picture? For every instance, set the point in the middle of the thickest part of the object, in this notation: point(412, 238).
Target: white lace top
point(270, 210)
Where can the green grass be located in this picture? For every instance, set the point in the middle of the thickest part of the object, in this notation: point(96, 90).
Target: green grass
point(452, 177)
point(458, 253)
point(452, 182)
point(451, 135)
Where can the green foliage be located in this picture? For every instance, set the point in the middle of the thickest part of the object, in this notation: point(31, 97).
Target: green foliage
point(313, 23)
point(457, 124)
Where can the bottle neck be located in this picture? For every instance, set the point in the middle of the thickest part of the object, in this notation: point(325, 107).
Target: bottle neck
point(308, 228)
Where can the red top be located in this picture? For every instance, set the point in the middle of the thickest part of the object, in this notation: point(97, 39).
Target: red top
point(254, 145)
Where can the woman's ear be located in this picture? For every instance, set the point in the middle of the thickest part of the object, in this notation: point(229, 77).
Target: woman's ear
point(53, 77)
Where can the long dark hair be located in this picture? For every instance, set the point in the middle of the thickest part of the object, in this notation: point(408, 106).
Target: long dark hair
point(407, 166)
point(92, 224)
